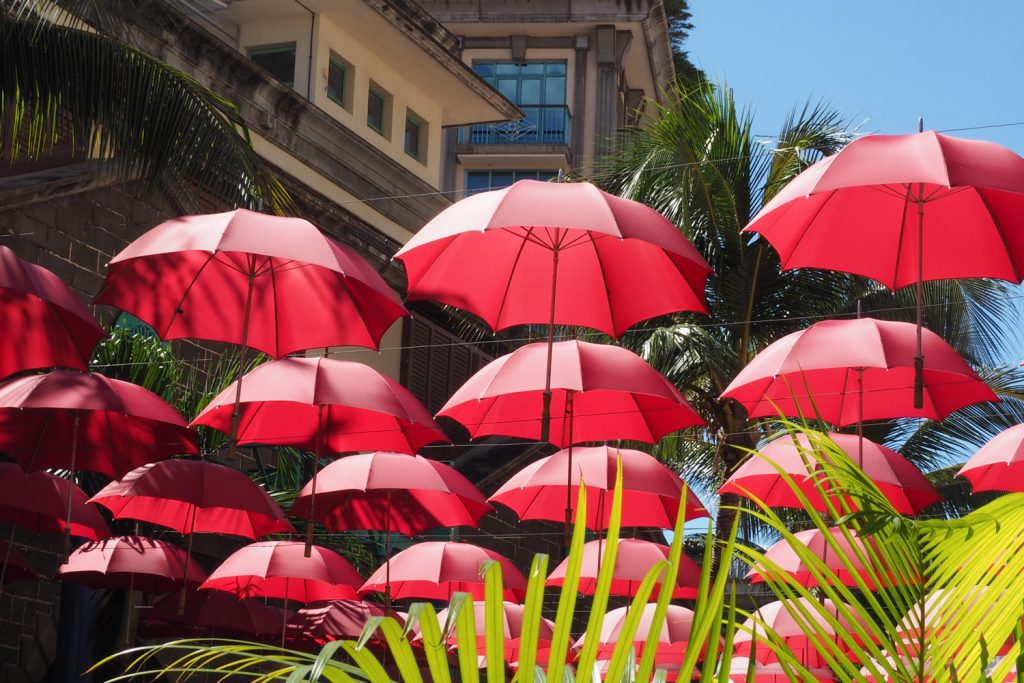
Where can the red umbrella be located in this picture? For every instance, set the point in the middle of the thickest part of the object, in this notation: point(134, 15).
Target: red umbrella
point(786, 558)
point(902, 209)
point(350, 405)
point(16, 567)
point(650, 491)
point(221, 613)
point(281, 569)
point(322, 622)
point(771, 672)
point(322, 405)
point(38, 501)
point(270, 283)
point(131, 562)
point(600, 392)
point(671, 643)
point(498, 255)
point(999, 464)
point(52, 420)
point(907, 489)
point(52, 325)
point(847, 371)
point(511, 628)
point(634, 559)
point(436, 570)
point(782, 619)
point(392, 492)
point(194, 496)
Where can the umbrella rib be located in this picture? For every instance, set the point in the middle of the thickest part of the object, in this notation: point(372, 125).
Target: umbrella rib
point(508, 279)
point(178, 309)
point(604, 281)
point(903, 227)
point(807, 229)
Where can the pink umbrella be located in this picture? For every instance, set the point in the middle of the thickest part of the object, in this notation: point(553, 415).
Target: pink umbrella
point(650, 491)
point(436, 570)
point(52, 325)
point(847, 371)
point(281, 569)
point(634, 559)
point(903, 209)
point(907, 489)
point(784, 555)
point(131, 562)
point(38, 500)
point(511, 628)
point(782, 619)
point(999, 464)
point(771, 672)
point(600, 392)
point(671, 643)
point(217, 612)
point(322, 622)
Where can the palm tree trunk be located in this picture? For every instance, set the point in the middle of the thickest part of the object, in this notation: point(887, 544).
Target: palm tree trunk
point(733, 448)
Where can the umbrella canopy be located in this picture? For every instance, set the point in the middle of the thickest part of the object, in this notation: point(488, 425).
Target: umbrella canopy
point(633, 560)
point(846, 371)
point(52, 325)
point(849, 553)
point(999, 464)
point(217, 612)
point(671, 642)
point(436, 570)
point(771, 672)
point(786, 620)
point(38, 501)
point(194, 496)
point(351, 407)
point(280, 569)
point(857, 211)
point(16, 566)
point(131, 562)
point(650, 491)
point(907, 489)
point(322, 622)
point(391, 492)
point(555, 252)
point(111, 426)
point(266, 282)
point(599, 392)
point(511, 629)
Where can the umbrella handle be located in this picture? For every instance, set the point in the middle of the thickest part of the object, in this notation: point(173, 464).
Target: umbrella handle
point(71, 486)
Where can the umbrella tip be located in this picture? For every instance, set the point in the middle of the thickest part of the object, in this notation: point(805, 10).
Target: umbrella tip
point(920, 124)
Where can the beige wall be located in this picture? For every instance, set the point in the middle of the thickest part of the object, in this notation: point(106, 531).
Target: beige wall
point(387, 361)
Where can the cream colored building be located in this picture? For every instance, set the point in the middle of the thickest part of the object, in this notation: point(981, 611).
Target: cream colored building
point(579, 69)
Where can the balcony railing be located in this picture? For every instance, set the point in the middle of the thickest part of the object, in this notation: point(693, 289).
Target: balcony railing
point(542, 125)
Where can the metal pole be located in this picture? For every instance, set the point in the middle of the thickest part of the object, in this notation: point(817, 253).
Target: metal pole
point(316, 470)
point(188, 559)
point(919, 358)
point(387, 558)
point(236, 414)
point(570, 418)
point(545, 418)
point(71, 484)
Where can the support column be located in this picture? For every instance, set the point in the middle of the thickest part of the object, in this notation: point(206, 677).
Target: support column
point(579, 100)
point(611, 48)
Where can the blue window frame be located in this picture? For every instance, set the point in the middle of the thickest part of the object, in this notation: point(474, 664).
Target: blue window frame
point(539, 90)
point(480, 181)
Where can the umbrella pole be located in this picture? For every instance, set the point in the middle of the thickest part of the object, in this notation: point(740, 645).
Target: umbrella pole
point(236, 414)
point(188, 559)
point(570, 417)
point(387, 558)
point(7, 553)
point(316, 471)
point(545, 418)
point(860, 417)
point(284, 614)
point(919, 358)
point(71, 485)
point(128, 610)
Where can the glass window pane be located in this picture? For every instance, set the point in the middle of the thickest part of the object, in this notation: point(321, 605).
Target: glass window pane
point(500, 179)
point(509, 87)
point(555, 69)
point(412, 138)
point(533, 69)
point(506, 69)
point(336, 81)
point(477, 181)
point(485, 69)
point(529, 92)
point(279, 60)
point(375, 111)
point(554, 90)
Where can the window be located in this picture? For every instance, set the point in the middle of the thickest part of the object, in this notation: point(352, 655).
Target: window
point(337, 80)
point(279, 60)
point(479, 181)
point(378, 107)
point(414, 142)
point(539, 90)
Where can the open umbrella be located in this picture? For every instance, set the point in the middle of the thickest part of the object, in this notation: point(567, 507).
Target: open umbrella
point(391, 492)
point(671, 642)
point(634, 559)
point(436, 570)
point(848, 371)
point(322, 405)
point(214, 612)
point(999, 464)
point(38, 500)
point(771, 672)
point(906, 488)
point(269, 283)
point(902, 209)
point(131, 562)
point(849, 552)
point(16, 567)
point(787, 621)
point(319, 623)
point(281, 569)
point(52, 325)
point(651, 492)
point(511, 630)
point(555, 253)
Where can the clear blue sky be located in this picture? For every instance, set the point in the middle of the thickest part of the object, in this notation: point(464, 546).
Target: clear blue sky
point(957, 64)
